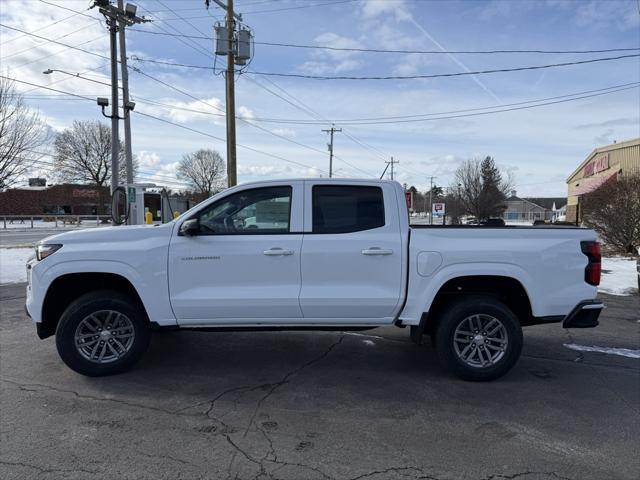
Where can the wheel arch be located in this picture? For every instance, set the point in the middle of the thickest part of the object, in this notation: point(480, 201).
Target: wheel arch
point(67, 287)
point(507, 289)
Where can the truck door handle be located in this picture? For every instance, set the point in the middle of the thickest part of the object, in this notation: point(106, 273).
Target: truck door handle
point(377, 251)
point(277, 251)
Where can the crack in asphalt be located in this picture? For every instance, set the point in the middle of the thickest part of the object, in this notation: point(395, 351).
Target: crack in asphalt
point(43, 470)
point(514, 476)
point(272, 388)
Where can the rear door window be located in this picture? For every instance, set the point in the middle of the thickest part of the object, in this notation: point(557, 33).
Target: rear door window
point(347, 208)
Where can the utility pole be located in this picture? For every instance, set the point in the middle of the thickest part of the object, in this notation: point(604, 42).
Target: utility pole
point(115, 139)
point(232, 178)
point(117, 18)
point(391, 162)
point(431, 200)
point(330, 145)
point(125, 97)
point(237, 46)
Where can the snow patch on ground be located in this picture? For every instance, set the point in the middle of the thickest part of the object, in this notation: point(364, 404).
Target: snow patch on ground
point(26, 224)
point(624, 352)
point(619, 276)
point(13, 264)
point(362, 335)
point(369, 342)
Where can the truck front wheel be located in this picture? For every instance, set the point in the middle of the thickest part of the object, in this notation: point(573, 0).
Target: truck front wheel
point(478, 338)
point(102, 333)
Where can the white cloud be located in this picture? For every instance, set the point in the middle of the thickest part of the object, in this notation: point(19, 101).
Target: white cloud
point(147, 160)
point(210, 109)
point(285, 132)
point(332, 61)
point(246, 113)
point(376, 8)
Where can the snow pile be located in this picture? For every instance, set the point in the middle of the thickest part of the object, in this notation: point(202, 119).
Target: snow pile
point(13, 264)
point(619, 276)
point(623, 352)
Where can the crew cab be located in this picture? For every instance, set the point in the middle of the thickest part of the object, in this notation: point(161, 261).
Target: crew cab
point(311, 254)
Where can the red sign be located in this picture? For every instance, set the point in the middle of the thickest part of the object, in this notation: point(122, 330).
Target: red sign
point(596, 166)
point(409, 198)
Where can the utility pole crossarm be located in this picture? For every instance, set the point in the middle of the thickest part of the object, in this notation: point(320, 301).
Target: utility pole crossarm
point(331, 131)
point(238, 16)
point(391, 162)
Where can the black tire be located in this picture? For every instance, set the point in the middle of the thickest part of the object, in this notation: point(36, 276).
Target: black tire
point(454, 315)
point(90, 303)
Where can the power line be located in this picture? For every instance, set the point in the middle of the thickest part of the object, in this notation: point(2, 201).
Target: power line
point(440, 75)
point(420, 117)
point(399, 77)
point(441, 52)
point(40, 28)
point(55, 41)
point(400, 51)
point(309, 147)
point(40, 44)
point(299, 7)
point(320, 77)
point(304, 108)
point(182, 18)
point(278, 157)
point(191, 44)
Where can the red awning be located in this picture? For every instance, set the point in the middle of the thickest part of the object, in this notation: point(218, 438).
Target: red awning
point(587, 185)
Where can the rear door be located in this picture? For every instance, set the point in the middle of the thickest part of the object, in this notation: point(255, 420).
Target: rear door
point(244, 263)
point(351, 261)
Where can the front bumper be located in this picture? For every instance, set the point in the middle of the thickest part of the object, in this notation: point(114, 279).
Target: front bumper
point(584, 315)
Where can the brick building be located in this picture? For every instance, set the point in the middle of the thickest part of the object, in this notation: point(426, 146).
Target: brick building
point(62, 199)
point(602, 165)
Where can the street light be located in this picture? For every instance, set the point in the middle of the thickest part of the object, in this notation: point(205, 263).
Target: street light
point(49, 71)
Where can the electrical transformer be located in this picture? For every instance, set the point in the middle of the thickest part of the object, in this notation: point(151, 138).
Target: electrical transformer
point(243, 46)
point(222, 39)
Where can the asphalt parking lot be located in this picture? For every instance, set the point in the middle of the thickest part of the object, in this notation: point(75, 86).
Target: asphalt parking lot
point(321, 406)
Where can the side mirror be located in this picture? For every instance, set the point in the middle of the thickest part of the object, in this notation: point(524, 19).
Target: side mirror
point(190, 227)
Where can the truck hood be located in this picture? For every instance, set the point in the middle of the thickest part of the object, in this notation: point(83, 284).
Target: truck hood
point(130, 233)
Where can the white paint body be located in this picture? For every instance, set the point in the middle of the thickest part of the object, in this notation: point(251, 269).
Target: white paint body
point(365, 278)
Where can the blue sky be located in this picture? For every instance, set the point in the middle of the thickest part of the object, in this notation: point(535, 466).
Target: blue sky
point(540, 146)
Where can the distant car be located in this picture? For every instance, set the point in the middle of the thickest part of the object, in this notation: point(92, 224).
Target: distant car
point(493, 222)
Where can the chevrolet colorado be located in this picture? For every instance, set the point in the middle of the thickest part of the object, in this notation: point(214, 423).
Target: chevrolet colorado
point(311, 254)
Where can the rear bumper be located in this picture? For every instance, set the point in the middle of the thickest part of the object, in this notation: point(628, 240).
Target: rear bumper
point(584, 315)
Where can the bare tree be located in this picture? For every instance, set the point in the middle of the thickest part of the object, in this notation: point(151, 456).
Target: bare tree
point(481, 188)
point(22, 133)
point(83, 154)
point(203, 170)
point(613, 210)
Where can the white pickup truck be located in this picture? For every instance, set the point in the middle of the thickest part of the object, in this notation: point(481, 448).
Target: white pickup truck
point(311, 254)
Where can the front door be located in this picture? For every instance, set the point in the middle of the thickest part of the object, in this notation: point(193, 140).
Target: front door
point(244, 261)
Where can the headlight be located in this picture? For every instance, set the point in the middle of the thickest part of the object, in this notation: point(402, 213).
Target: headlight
point(43, 251)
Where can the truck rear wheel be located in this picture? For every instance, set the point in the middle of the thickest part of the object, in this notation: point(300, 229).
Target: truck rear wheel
point(478, 338)
point(102, 333)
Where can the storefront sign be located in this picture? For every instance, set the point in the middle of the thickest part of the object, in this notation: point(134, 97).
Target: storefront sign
point(596, 166)
point(408, 196)
point(438, 210)
point(82, 193)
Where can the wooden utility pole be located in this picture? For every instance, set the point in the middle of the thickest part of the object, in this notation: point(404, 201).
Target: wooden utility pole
point(124, 73)
point(330, 132)
point(392, 162)
point(430, 200)
point(232, 177)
